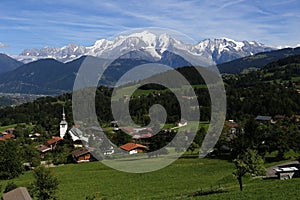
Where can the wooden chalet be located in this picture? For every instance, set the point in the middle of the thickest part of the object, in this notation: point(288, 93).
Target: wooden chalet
point(49, 145)
point(6, 136)
point(82, 155)
point(133, 148)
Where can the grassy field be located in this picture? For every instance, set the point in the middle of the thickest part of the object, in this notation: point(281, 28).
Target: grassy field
point(4, 128)
point(177, 181)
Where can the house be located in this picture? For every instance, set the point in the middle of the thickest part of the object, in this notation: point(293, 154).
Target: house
point(109, 151)
point(284, 173)
point(115, 125)
point(232, 125)
point(182, 123)
point(279, 117)
point(53, 142)
point(34, 136)
point(20, 193)
point(43, 149)
point(10, 130)
point(133, 148)
point(82, 155)
point(77, 134)
point(49, 145)
point(295, 117)
point(6, 136)
point(263, 118)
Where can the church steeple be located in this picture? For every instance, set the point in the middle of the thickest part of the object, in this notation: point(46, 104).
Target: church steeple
point(63, 126)
point(63, 114)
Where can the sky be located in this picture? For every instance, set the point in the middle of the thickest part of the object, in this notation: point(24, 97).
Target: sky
point(27, 24)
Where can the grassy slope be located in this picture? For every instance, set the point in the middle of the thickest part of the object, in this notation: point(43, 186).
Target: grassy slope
point(183, 177)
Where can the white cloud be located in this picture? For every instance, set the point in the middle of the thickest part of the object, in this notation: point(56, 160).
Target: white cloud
point(60, 22)
point(3, 45)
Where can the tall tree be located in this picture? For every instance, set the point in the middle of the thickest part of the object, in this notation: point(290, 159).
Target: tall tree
point(10, 160)
point(45, 184)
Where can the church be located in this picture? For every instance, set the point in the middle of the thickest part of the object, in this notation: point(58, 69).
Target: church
point(75, 133)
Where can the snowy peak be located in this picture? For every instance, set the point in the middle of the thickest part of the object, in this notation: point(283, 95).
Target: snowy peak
point(151, 45)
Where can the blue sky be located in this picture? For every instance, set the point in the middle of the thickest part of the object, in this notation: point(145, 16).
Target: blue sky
point(36, 23)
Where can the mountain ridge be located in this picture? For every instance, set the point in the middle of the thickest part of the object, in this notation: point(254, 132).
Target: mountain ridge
point(7, 63)
point(217, 50)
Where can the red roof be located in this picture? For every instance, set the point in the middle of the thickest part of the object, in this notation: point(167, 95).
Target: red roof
point(7, 136)
point(232, 124)
point(53, 140)
point(132, 146)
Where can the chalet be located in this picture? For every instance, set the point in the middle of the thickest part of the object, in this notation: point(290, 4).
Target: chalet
point(77, 136)
point(19, 193)
point(6, 136)
point(34, 136)
point(232, 125)
point(49, 145)
point(43, 149)
point(53, 142)
point(261, 118)
point(279, 117)
point(115, 125)
point(133, 148)
point(82, 155)
point(128, 130)
point(10, 130)
point(296, 117)
point(182, 123)
point(109, 151)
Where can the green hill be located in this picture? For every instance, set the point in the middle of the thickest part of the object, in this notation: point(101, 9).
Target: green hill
point(256, 61)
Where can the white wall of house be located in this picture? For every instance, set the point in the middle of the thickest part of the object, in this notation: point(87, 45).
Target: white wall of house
point(134, 151)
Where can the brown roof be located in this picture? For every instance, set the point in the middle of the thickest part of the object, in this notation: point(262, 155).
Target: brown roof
point(132, 146)
point(19, 193)
point(53, 141)
point(232, 125)
point(80, 152)
point(43, 148)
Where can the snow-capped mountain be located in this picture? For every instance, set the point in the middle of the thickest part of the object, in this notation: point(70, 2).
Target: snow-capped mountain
point(149, 46)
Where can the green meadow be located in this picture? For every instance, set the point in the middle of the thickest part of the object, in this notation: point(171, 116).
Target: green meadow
point(179, 180)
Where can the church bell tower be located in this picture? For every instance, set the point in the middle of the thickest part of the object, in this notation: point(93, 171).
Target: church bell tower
point(63, 126)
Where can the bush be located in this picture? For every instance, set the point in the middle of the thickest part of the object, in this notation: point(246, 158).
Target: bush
point(10, 186)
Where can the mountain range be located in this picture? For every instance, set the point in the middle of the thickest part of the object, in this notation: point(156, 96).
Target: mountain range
point(149, 46)
point(55, 69)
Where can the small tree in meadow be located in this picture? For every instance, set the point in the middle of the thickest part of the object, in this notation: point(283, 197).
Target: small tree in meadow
point(249, 163)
